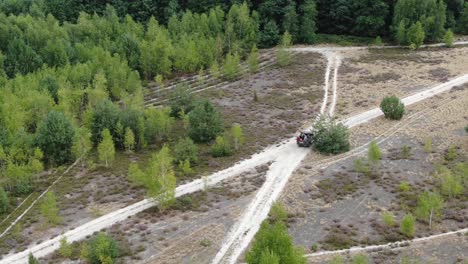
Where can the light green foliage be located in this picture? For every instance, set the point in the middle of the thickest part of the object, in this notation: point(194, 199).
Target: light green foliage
point(451, 184)
point(331, 137)
point(404, 186)
point(158, 177)
point(237, 135)
point(374, 154)
point(451, 153)
point(82, 143)
point(106, 149)
point(416, 35)
point(102, 249)
point(49, 209)
point(378, 41)
point(252, 60)
point(283, 55)
point(408, 260)
point(214, 69)
point(360, 166)
point(448, 38)
point(361, 259)
point(392, 107)
point(278, 213)
point(186, 150)
point(129, 141)
point(276, 239)
point(185, 168)
point(159, 123)
point(65, 249)
point(4, 201)
point(337, 260)
point(205, 122)
point(388, 218)
point(221, 148)
point(268, 257)
point(231, 66)
point(407, 225)
point(428, 145)
point(429, 207)
point(55, 138)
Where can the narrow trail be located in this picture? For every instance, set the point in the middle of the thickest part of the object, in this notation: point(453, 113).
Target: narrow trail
point(286, 156)
point(335, 85)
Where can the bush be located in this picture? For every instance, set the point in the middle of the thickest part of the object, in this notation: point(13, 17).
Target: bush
point(331, 137)
point(185, 149)
point(360, 166)
point(4, 201)
point(55, 138)
point(182, 101)
point(360, 259)
point(388, 218)
point(65, 248)
point(429, 207)
point(404, 186)
point(451, 153)
point(101, 249)
point(448, 38)
point(204, 122)
point(221, 148)
point(392, 107)
point(231, 66)
point(407, 225)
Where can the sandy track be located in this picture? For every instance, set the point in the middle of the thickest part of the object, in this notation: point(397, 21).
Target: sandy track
point(286, 152)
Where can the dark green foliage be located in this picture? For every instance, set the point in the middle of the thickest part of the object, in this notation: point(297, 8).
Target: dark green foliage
point(331, 137)
point(105, 115)
point(102, 249)
point(32, 259)
point(308, 26)
point(21, 58)
point(182, 101)
point(4, 201)
point(55, 138)
point(462, 25)
point(50, 84)
point(185, 149)
point(204, 122)
point(269, 36)
point(392, 107)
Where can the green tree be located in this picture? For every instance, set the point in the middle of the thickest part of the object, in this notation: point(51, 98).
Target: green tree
point(231, 66)
point(21, 58)
point(252, 60)
point(448, 38)
point(221, 148)
point(185, 149)
point(283, 54)
point(4, 201)
point(237, 135)
point(81, 143)
point(451, 184)
point(269, 36)
point(308, 26)
point(204, 122)
point(400, 34)
point(331, 137)
point(429, 206)
point(182, 100)
point(51, 85)
point(276, 239)
point(105, 115)
point(101, 249)
point(49, 209)
point(55, 138)
point(392, 107)
point(416, 35)
point(106, 149)
point(158, 178)
point(407, 225)
point(291, 20)
point(65, 248)
point(129, 141)
point(463, 21)
point(159, 123)
point(374, 155)
point(185, 167)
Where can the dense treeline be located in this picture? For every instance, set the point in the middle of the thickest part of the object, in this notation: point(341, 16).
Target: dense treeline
point(299, 17)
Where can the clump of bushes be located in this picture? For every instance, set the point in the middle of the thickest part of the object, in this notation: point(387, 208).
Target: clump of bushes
point(392, 107)
point(221, 148)
point(102, 249)
point(331, 137)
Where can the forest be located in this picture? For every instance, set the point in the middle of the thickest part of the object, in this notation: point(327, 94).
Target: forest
point(72, 73)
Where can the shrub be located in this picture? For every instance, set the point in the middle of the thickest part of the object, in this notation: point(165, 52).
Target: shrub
point(429, 206)
point(360, 166)
point(407, 225)
point(388, 218)
point(404, 186)
point(204, 122)
point(182, 100)
point(129, 141)
point(283, 54)
point(360, 259)
point(331, 137)
point(448, 38)
point(4, 201)
point(237, 136)
point(374, 154)
point(231, 66)
point(221, 148)
point(32, 259)
point(65, 248)
point(101, 249)
point(49, 208)
point(416, 35)
point(185, 149)
point(428, 145)
point(278, 213)
point(451, 153)
point(392, 107)
point(406, 152)
point(106, 149)
point(450, 185)
point(253, 60)
point(185, 167)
